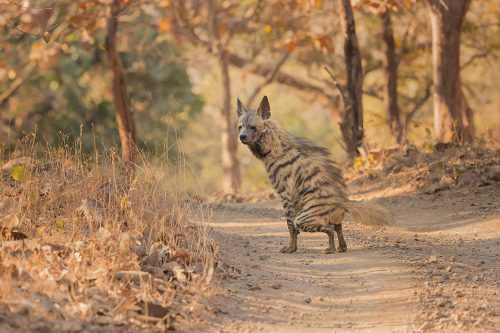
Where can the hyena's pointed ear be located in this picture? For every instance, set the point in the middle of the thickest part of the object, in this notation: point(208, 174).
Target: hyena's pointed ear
point(240, 108)
point(264, 109)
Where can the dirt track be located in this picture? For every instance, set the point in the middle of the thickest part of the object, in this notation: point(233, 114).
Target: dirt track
point(437, 269)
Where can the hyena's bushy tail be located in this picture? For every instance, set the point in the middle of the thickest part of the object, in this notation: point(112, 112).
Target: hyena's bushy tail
point(369, 213)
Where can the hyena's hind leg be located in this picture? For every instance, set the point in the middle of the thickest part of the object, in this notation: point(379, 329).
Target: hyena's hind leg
point(340, 235)
point(318, 224)
point(331, 240)
point(324, 220)
point(336, 219)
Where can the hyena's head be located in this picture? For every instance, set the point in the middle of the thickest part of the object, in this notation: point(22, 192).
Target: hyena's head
point(251, 123)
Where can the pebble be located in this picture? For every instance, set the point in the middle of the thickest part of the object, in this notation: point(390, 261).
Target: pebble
point(102, 320)
point(308, 300)
point(442, 302)
point(254, 287)
point(446, 180)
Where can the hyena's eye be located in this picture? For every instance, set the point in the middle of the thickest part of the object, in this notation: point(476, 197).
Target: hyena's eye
point(240, 127)
point(253, 128)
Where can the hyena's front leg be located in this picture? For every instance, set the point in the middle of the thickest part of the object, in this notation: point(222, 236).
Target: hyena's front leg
point(292, 242)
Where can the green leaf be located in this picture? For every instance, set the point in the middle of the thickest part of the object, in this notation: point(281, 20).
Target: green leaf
point(18, 173)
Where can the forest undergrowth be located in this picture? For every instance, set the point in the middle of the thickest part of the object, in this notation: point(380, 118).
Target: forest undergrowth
point(89, 243)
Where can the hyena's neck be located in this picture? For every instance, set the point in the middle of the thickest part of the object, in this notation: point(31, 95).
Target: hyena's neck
point(270, 144)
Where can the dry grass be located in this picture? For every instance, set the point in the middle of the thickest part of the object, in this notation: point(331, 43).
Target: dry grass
point(87, 245)
point(410, 170)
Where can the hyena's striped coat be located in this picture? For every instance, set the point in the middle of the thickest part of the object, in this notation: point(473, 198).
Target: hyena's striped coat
point(307, 180)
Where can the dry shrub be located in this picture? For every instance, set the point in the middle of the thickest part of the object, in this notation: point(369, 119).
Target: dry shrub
point(447, 166)
point(89, 243)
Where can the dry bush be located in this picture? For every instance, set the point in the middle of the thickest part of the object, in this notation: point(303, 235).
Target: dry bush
point(89, 244)
point(447, 166)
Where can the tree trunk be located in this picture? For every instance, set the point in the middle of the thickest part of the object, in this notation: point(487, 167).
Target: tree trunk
point(229, 140)
point(391, 77)
point(230, 162)
point(351, 125)
point(453, 118)
point(124, 118)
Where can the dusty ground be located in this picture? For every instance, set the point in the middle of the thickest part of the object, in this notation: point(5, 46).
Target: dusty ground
point(437, 269)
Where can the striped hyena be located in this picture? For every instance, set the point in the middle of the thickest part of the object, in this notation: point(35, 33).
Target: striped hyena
point(306, 178)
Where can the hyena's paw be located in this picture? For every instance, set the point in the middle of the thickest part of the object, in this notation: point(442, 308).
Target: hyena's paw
point(342, 249)
point(287, 249)
point(329, 251)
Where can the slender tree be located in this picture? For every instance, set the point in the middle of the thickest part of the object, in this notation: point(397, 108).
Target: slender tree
point(230, 161)
point(124, 118)
point(390, 89)
point(352, 117)
point(453, 118)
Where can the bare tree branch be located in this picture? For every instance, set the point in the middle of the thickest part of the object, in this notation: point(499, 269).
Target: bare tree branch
point(419, 103)
point(335, 81)
point(16, 83)
point(269, 79)
point(340, 90)
point(243, 22)
point(18, 29)
point(470, 61)
point(264, 70)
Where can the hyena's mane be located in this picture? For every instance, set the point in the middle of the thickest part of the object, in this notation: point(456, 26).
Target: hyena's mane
point(312, 155)
point(323, 158)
